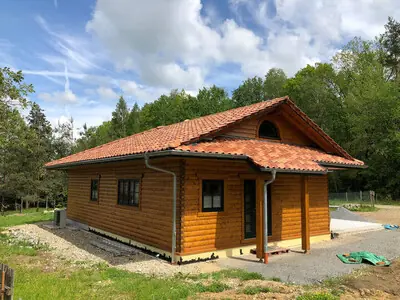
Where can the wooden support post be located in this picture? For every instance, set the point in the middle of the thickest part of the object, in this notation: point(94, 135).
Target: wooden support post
point(305, 214)
point(259, 217)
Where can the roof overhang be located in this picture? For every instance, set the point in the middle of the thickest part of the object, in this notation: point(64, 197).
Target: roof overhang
point(181, 153)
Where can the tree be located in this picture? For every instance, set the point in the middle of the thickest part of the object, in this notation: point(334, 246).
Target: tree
point(133, 121)
point(390, 43)
point(315, 90)
point(249, 92)
point(13, 89)
point(373, 110)
point(13, 135)
point(274, 83)
point(119, 119)
point(41, 145)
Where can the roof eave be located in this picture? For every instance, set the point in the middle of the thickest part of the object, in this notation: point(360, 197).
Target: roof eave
point(141, 155)
point(342, 166)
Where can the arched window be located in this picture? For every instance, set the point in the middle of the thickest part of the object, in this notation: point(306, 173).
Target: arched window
point(268, 130)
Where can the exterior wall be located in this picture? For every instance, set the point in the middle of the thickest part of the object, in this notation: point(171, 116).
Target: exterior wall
point(150, 223)
point(289, 133)
point(211, 231)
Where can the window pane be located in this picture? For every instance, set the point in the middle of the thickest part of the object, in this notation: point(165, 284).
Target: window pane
point(137, 186)
point(126, 192)
point(207, 201)
point(93, 189)
point(217, 201)
point(131, 192)
point(213, 195)
point(136, 199)
point(121, 191)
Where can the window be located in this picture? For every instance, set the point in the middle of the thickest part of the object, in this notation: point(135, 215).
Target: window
point(94, 190)
point(213, 195)
point(128, 192)
point(268, 130)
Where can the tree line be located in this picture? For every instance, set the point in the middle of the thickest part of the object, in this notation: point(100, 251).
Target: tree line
point(355, 98)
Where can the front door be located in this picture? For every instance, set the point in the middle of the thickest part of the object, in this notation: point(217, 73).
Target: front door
point(250, 212)
point(249, 209)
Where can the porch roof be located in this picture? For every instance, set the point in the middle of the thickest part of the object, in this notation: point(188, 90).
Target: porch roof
point(274, 155)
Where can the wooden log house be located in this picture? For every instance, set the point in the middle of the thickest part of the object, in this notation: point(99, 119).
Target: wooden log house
point(221, 163)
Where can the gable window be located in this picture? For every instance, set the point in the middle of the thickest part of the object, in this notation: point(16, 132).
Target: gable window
point(128, 192)
point(94, 190)
point(213, 195)
point(268, 130)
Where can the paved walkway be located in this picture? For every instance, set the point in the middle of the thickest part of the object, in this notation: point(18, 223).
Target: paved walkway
point(322, 262)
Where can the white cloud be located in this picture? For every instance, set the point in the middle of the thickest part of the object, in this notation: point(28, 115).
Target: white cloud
point(170, 44)
point(59, 97)
point(107, 93)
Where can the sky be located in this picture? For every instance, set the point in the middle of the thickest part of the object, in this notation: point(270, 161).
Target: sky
point(81, 55)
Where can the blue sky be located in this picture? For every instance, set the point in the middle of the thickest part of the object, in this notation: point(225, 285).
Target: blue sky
point(80, 55)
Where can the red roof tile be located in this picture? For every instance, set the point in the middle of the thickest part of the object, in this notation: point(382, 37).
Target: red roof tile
point(272, 155)
point(176, 136)
point(171, 136)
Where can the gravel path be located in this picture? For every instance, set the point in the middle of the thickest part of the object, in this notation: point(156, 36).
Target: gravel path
point(75, 245)
point(322, 262)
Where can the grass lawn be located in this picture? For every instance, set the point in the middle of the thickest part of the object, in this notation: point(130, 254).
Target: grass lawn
point(41, 275)
point(27, 217)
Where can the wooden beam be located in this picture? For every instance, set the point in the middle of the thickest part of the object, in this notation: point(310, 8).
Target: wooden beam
point(259, 216)
point(305, 214)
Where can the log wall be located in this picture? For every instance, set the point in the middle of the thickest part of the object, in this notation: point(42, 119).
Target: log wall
point(288, 133)
point(150, 223)
point(210, 231)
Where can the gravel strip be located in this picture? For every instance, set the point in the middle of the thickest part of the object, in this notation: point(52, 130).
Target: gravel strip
point(75, 245)
point(321, 263)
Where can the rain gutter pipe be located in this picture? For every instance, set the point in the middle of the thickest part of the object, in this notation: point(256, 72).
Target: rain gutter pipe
point(265, 219)
point(173, 246)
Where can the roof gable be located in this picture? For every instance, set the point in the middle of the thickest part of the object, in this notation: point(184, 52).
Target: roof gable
point(183, 133)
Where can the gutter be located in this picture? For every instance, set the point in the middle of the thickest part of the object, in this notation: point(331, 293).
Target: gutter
point(173, 246)
point(141, 155)
point(265, 219)
point(179, 153)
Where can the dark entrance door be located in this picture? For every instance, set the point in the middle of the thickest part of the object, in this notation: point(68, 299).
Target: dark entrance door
point(250, 209)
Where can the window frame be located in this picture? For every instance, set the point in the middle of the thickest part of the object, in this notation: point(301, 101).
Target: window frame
point(222, 187)
point(136, 183)
point(278, 138)
point(92, 180)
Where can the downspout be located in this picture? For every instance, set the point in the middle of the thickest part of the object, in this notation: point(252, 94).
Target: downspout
point(265, 219)
point(173, 246)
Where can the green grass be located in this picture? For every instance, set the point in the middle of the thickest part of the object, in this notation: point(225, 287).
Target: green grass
point(214, 287)
point(317, 296)
point(276, 279)
point(363, 208)
point(229, 273)
point(25, 218)
point(253, 290)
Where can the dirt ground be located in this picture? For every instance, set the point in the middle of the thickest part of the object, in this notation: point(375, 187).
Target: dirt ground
point(367, 283)
point(387, 214)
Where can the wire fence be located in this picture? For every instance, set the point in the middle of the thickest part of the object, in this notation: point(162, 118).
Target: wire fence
point(360, 197)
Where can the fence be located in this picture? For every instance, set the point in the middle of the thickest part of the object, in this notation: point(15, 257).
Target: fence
point(362, 197)
point(7, 282)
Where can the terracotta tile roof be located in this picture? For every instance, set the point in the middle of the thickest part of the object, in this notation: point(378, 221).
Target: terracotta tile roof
point(273, 155)
point(176, 136)
point(171, 136)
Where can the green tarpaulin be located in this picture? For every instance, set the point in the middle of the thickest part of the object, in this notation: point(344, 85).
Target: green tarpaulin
point(364, 256)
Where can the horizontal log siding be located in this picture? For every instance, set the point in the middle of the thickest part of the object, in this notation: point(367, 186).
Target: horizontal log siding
point(150, 223)
point(288, 132)
point(211, 231)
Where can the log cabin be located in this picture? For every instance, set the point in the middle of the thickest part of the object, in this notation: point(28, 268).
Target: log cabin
point(248, 178)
